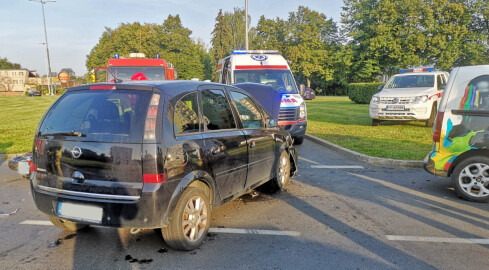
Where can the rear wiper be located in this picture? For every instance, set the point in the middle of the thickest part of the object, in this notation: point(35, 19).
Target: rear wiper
point(69, 133)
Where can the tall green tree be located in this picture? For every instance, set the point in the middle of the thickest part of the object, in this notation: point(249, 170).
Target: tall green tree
point(270, 34)
point(171, 40)
point(222, 38)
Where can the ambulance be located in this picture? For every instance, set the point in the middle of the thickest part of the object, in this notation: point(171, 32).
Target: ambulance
point(269, 68)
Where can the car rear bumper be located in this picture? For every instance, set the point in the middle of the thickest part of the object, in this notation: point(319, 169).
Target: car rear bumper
point(429, 166)
point(148, 211)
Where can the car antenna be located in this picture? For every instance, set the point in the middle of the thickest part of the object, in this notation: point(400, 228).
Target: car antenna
point(116, 80)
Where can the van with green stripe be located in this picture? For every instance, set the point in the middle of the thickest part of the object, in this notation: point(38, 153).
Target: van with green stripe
point(461, 133)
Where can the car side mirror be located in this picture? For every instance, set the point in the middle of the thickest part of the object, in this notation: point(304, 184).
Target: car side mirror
point(380, 88)
point(442, 86)
point(302, 89)
point(271, 123)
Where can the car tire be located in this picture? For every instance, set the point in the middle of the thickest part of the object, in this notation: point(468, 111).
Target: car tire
point(282, 174)
point(67, 225)
point(470, 178)
point(431, 121)
point(189, 226)
point(375, 122)
point(298, 140)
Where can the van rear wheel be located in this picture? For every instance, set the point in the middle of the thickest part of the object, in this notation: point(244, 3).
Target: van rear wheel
point(470, 179)
point(190, 221)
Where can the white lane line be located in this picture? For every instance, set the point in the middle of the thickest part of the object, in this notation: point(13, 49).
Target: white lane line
point(37, 222)
point(212, 230)
point(438, 239)
point(253, 231)
point(336, 167)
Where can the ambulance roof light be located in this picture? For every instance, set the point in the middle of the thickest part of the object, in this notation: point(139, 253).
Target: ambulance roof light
point(255, 52)
point(417, 70)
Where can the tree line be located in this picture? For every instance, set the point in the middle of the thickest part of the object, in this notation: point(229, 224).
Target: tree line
point(375, 37)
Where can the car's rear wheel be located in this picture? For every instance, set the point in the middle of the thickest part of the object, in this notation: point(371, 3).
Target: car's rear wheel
point(431, 120)
point(190, 220)
point(282, 173)
point(66, 224)
point(470, 179)
point(298, 140)
point(375, 122)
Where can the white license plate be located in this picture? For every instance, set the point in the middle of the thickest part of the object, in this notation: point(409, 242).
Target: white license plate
point(80, 212)
point(395, 108)
point(23, 167)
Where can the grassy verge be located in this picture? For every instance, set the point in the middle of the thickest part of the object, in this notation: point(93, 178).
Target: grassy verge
point(19, 117)
point(340, 121)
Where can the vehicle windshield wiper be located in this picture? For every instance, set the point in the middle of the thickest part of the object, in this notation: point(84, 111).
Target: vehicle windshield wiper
point(65, 133)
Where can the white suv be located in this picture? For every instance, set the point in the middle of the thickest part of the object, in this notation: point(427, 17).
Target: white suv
point(412, 94)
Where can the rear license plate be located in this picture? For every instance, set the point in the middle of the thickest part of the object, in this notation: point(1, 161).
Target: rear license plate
point(80, 212)
point(395, 108)
point(23, 167)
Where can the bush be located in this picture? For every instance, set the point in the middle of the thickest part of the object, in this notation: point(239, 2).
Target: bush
point(361, 93)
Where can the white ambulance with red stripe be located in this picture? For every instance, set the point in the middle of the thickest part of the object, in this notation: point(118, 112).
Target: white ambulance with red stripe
point(269, 68)
point(413, 94)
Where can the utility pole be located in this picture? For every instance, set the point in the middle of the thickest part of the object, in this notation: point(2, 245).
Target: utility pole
point(246, 25)
point(50, 89)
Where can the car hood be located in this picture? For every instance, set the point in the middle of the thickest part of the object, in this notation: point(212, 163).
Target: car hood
point(405, 92)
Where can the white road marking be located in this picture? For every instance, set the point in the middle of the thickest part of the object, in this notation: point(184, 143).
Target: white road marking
point(308, 160)
point(253, 231)
point(212, 230)
point(336, 167)
point(438, 239)
point(37, 222)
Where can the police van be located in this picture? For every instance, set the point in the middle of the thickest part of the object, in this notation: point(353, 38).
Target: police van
point(269, 68)
point(413, 94)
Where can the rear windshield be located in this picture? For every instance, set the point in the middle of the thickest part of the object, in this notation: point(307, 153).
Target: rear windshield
point(137, 73)
point(93, 115)
point(411, 81)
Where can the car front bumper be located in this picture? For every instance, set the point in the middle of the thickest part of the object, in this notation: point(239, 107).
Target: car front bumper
point(297, 130)
point(409, 112)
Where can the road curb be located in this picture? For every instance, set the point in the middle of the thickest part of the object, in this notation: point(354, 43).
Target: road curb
point(9, 156)
point(366, 158)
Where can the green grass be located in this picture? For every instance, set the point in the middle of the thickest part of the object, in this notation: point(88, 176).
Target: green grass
point(19, 117)
point(341, 121)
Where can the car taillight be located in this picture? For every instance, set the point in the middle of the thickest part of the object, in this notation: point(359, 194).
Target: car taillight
point(102, 87)
point(154, 178)
point(438, 125)
point(150, 124)
point(33, 167)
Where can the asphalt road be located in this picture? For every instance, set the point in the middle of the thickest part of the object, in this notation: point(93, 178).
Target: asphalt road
point(337, 214)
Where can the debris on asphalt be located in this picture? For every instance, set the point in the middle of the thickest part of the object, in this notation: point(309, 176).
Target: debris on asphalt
point(134, 260)
point(55, 243)
point(2, 214)
point(162, 250)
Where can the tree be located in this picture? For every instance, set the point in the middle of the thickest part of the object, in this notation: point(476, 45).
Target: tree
point(6, 64)
point(171, 40)
point(270, 34)
point(222, 38)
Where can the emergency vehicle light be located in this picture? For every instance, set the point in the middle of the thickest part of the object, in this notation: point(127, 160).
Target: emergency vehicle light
point(416, 70)
point(254, 51)
point(116, 55)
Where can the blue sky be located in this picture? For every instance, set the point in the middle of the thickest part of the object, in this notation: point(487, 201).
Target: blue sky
point(74, 26)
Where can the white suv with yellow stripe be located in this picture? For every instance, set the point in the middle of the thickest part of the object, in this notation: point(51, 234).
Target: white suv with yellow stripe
point(412, 94)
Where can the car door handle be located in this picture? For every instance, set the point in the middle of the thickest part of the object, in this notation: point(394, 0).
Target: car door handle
point(252, 144)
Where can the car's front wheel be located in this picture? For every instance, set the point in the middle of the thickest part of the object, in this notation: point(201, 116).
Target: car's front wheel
point(431, 120)
point(190, 220)
point(470, 179)
point(282, 173)
point(298, 140)
point(66, 224)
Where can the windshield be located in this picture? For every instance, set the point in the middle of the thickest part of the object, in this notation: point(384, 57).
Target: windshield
point(109, 116)
point(130, 73)
point(411, 81)
point(280, 80)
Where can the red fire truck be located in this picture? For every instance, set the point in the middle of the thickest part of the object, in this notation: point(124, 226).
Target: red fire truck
point(137, 67)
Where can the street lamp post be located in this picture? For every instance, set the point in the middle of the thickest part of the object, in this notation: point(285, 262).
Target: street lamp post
point(51, 92)
point(47, 66)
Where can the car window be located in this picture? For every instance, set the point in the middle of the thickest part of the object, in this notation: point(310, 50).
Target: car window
point(110, 116)
point(411, 81)
point(248, 112)
point(186, 116)
point(217, 111)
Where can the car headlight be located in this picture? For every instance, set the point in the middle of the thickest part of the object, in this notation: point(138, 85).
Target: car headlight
point(420, 99)
point(375, 100)
point(302, 110)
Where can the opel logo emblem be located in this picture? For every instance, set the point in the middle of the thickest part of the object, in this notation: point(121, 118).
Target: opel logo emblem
point(259, 57)
point(76, 152)
point(395, 100)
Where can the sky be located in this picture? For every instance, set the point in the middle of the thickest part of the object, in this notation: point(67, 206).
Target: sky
point(75, 26)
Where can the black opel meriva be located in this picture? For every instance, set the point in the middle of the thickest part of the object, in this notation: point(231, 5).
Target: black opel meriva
point(154, 155)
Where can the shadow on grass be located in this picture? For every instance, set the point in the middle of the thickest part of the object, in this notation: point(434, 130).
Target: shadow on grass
point(4, 146)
